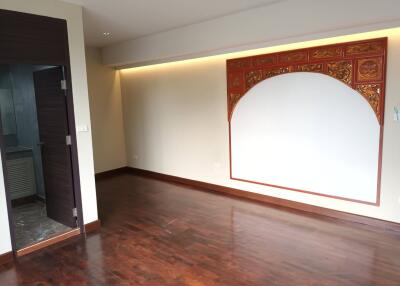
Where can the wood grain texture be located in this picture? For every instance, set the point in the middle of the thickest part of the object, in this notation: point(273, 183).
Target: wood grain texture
point(277, 202)
point(56, 154)
point(159, 233)
point(32, 39)
point(6, 258)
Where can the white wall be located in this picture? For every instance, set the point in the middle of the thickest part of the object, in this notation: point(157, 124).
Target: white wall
point(281, 23)
point(73, 15)
point(175, 118)
point(307, 131)
point(106, 114)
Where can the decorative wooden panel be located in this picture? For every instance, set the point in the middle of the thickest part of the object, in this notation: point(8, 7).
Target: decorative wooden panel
point(361, 65)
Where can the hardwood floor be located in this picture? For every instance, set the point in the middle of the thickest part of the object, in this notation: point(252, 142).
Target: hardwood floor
point(157, 233)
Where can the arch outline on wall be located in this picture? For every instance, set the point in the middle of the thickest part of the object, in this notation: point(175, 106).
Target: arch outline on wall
point(360, 65)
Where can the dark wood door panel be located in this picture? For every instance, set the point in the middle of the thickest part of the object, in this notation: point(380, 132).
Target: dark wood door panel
point(27, 38)
point(56, 155)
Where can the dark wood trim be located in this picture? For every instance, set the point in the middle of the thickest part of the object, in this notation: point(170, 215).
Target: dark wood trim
point(6, 257)
point(376, 203)
point(74, 146)
point(273, 201)
point(32, 39)
point(112, 173)
point(92, 226)
point(47, 242)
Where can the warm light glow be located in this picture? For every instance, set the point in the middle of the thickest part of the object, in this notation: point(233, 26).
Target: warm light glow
point(274, 49)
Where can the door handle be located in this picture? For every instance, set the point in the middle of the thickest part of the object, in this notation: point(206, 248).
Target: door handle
point(40, 143)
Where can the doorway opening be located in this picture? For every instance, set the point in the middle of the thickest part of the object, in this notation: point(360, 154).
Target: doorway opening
point(36, 153)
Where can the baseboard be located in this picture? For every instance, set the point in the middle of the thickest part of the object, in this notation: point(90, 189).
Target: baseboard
point(111, 173)
point(92, 226)
point(273, 201)
point(6, 257)
point(23, 201)
point(26, 200)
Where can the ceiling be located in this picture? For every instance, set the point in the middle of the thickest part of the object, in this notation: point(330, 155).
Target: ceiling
point(130, 19)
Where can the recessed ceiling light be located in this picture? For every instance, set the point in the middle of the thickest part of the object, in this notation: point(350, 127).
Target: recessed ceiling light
point(106, 34)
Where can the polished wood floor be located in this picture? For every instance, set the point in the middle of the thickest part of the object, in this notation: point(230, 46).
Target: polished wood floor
point(156, 233)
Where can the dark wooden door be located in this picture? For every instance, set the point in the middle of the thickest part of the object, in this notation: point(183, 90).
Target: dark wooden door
point(56, 154)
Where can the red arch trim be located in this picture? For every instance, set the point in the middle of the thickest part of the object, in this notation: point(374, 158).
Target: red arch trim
point(361, 65)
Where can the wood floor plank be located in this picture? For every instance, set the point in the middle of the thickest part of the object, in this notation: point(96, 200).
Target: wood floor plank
point(158, 233)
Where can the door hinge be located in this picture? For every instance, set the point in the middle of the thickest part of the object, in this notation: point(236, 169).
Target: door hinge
point(68, 140)
point(63, 84)
point(74, 212)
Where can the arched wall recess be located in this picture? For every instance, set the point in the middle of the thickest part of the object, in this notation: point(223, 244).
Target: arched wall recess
point(311, 120)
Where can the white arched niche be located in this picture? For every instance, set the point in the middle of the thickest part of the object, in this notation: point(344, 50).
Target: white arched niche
point(307, 131)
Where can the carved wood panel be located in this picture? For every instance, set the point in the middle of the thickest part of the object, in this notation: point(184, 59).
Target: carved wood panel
point(361, 65)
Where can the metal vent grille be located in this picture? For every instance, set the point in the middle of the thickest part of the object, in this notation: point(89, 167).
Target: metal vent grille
point(21, 177)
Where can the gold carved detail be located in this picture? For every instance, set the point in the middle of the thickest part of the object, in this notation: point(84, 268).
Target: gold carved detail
point(369, 69)
point(341, 70)
point(235, 80)
point(253, 77)
point(277, 71)
point(263, 61)
point(233, 99)
point(311, 68)
point(326, 53)
point(293, 57)
point(239, 64)
point(372, 93)
point(365, 48)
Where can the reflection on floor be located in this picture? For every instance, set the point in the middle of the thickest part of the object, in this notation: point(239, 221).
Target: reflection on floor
point(32, 224)
point(161, 234)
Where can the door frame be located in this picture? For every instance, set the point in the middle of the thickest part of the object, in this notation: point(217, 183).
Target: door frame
point(40, 57)
point(74, 164)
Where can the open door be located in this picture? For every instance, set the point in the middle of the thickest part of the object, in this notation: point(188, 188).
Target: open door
point(55, 145)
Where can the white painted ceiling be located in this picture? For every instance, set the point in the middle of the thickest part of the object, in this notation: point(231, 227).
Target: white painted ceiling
point(130, 19)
